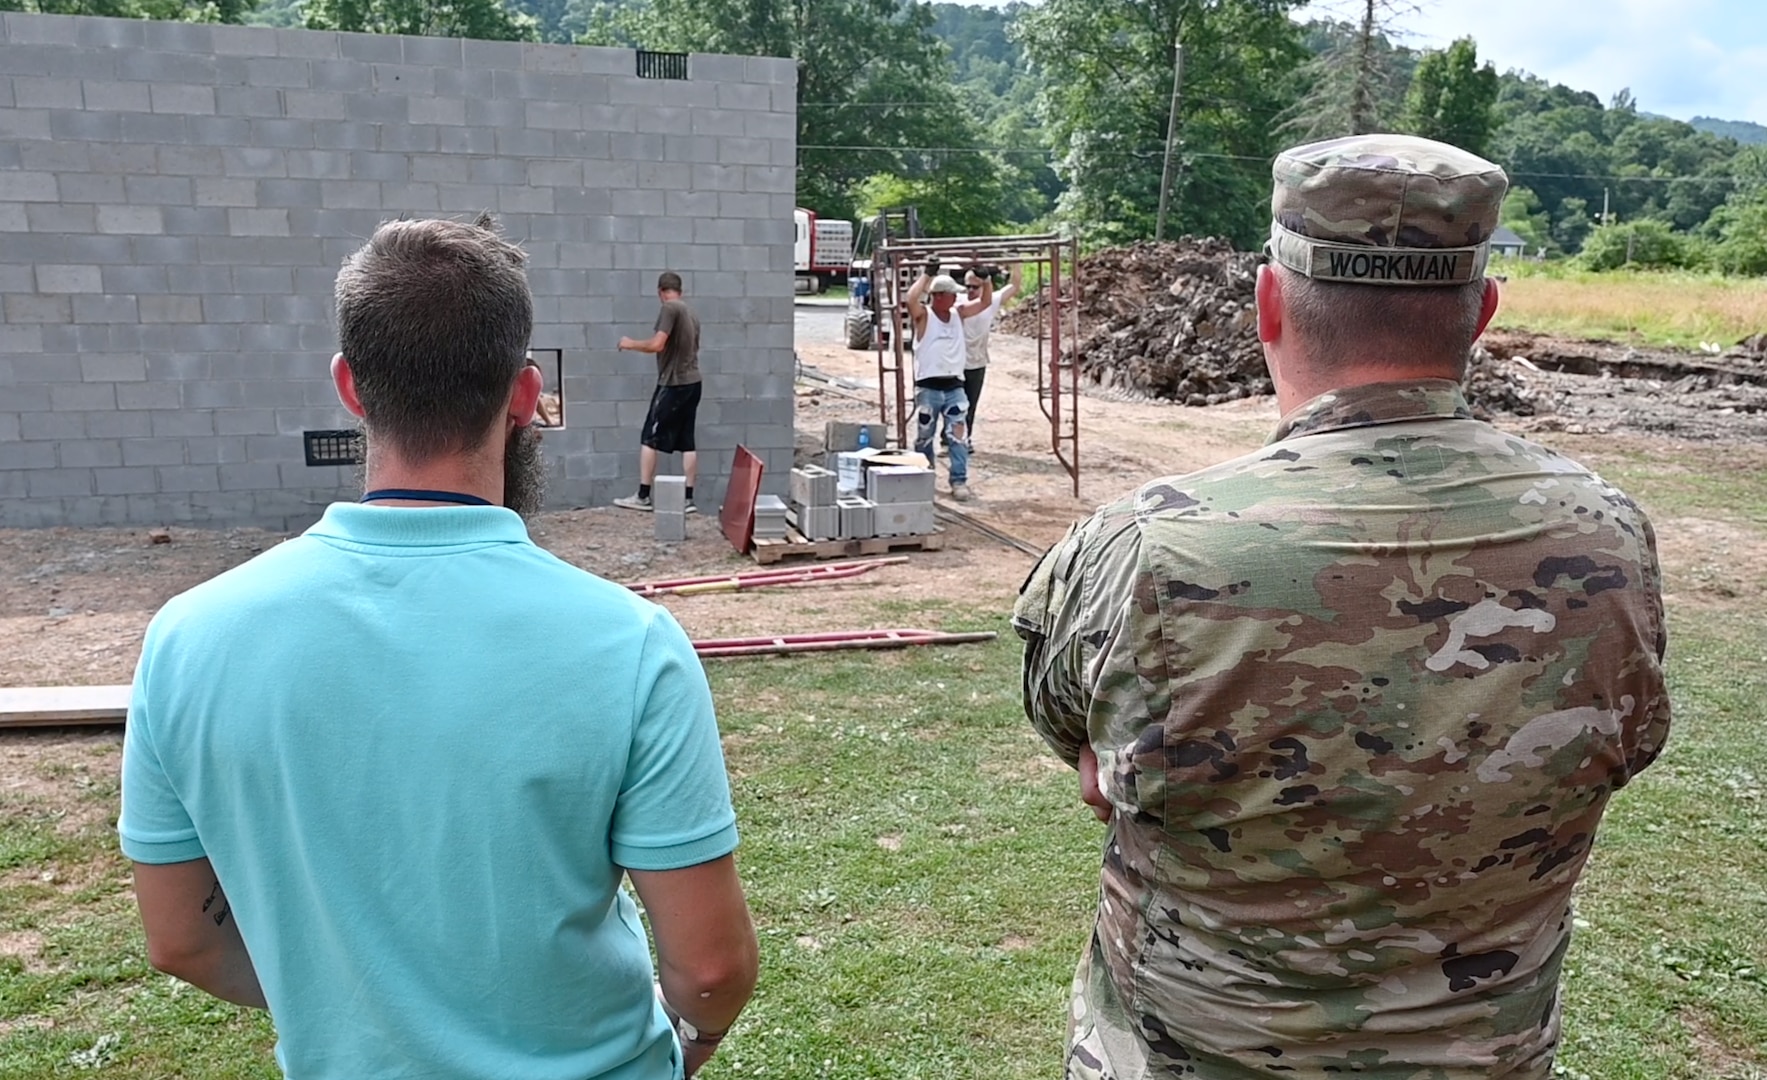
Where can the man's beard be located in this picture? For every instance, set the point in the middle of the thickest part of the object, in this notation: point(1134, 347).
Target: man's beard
point(524, 472)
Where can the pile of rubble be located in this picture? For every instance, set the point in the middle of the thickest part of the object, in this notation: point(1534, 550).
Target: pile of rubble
point(1178, 321)
point(1171, 320)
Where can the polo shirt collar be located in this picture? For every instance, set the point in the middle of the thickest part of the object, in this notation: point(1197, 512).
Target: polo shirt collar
point(419, 526)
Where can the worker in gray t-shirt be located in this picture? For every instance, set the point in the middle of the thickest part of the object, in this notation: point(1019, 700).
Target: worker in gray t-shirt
point(668, 428)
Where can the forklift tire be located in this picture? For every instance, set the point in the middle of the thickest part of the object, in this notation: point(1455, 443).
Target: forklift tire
point(859, 332)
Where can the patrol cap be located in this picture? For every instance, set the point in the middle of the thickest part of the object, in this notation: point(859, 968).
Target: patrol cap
point(1384, 210)
point(944, 283)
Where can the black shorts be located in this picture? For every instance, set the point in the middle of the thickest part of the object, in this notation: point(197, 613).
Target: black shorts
point(668, 429)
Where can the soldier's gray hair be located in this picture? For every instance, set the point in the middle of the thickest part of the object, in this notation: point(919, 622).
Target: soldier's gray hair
point(1343, 323)
point(434, 318)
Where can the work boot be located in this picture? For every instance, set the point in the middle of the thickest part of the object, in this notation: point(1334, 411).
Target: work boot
point(961, 492)
point(633, 502)
point(691, 509)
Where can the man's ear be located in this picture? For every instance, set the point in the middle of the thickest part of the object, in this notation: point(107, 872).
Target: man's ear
point(1487, 307)
point(345, 381)
point(524, 398)
point(1269, 299)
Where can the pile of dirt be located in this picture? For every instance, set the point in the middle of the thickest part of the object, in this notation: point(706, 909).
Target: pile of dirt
point(1178, 321)
point(1172, 320)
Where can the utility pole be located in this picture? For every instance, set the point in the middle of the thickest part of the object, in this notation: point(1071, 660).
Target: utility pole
point(1159, 229)
point(1604, 206)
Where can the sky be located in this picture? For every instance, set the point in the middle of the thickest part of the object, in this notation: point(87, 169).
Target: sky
point(1680, 58)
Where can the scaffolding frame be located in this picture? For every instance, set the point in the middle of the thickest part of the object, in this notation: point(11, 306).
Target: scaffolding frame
point(1053, 260)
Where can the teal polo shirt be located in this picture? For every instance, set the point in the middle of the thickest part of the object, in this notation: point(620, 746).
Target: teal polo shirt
point(419, 750)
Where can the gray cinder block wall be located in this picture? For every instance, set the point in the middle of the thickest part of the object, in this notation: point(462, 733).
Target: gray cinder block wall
point(175, 200)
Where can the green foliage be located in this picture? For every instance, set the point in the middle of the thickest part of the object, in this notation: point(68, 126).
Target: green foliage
point(202, 11)
point(1740, 230)
point(1105, 73)
point(1647, 244)
point(1452, 98)
point(486, 19)
point(1355, 82)
point(1523, 214)
point(1743, 131)
point(960, 197)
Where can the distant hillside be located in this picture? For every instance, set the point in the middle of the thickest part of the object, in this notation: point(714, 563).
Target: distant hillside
point(1743, 131)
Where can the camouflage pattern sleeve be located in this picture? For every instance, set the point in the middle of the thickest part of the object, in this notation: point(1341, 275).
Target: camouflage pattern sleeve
point(1067, 612)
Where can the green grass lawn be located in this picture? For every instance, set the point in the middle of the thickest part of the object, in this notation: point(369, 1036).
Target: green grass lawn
point(1638, 307)
point(922, 877)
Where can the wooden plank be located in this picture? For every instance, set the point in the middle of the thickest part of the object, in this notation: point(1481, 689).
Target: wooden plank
point(53, 706)
point(794, 546)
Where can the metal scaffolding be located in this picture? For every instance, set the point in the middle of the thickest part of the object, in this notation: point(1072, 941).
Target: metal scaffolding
point(1052, 280)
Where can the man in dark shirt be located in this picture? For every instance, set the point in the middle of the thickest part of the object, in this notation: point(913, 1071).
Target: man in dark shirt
point(668, 429)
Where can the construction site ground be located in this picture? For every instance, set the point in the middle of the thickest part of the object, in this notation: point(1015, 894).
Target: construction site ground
point(74, 602)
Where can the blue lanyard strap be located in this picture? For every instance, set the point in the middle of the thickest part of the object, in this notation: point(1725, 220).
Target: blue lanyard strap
point(420, 495)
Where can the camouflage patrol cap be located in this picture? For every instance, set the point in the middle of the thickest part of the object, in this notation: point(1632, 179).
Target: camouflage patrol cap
point(1384, 210)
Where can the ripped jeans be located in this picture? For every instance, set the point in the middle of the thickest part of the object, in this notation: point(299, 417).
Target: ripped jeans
point(952, 407)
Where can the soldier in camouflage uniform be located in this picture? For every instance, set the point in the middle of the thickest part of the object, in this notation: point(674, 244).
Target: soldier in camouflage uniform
point(1352, 703)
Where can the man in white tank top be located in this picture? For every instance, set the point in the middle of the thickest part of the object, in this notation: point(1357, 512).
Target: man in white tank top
point(939, 357)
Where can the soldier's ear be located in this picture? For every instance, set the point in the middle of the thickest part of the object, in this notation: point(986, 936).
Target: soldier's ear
point(1487, 307)
point(1269, 298)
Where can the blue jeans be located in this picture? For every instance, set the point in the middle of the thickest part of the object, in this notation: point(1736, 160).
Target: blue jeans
point(951, 406)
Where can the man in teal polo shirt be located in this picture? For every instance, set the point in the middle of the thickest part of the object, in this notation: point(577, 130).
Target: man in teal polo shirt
point(386, 778)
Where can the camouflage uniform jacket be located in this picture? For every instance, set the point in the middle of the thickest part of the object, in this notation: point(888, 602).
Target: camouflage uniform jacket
point(1358, 699)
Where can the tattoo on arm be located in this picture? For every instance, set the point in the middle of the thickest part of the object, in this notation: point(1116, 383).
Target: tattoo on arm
point(217, 900)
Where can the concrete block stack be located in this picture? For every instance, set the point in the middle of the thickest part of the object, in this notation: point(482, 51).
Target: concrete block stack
point(668, 503)
point(813, 502)
point(770, 523)
point(857, 520)
point(902, 496)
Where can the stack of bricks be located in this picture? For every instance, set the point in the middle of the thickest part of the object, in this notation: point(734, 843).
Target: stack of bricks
point(668, 503)
point(902, 500)
point(770, 523)
point(813, 502)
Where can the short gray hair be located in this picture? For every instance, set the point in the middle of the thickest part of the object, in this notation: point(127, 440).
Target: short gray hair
point(434, 318)
point(1339, 321)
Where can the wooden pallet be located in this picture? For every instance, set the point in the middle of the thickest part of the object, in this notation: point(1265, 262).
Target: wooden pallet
point(795, 546)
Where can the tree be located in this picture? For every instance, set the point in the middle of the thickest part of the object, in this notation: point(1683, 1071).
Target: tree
point(205, 11)
point(1105, 68)
point(1647, 244)
point(1452, 98)
point(960, 196)
point(1524, 216)
point(874, 86)
point(487, 19)
point(1356, 81)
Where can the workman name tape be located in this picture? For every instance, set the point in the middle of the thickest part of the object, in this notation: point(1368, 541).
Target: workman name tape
point(1325, 261)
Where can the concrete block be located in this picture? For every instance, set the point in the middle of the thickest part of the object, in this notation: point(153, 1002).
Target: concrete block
point(218, 130)
point(438, 110)
point(289, 134)
point(670, 527)
point(170, 309)
point(217, 451)
point(175, 98)
point(154, 128)
point(437, 51)
point(50, 157)
point(90, 454)
point(904, 519)
point(222, 191)
point(890, 484)
point(118, 425)
point(140, 480)
point(818, 522)
point(690, 149)
point(189, 161)
point(95, 126)
point(308, 44)
point(27, 455)
point(184, 424)
point(669, 494)
point(256, 102)
point(314, 105)
point(38, 309)
point(69, 279)
point(26, 124)
point(52, 427)
point(404, 79)
point(233, 309)
point(506, 55)
point(20, 339)
point(379, 108)
point(385, 49)
point(812, 485)
point(350, 195)
point(406, 137)
point(58, 483)
point(82, 397)
point(244, 222)
point(176, 478)
point(28, 187)
point(196, 220)
point(113, 368)
point(856, 518)
point(244, 40)
point(345, 135)
point(254, 161)
point(158, 190)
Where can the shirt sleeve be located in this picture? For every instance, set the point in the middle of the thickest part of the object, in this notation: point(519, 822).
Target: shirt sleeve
point(665, 319)
point(155, 827)
point(674, 807)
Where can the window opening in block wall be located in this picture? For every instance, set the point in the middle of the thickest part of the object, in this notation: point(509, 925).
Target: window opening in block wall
point(551, 364)
point(661, 65)
point(333, 447)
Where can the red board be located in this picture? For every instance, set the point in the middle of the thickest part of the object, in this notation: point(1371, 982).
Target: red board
point(737, 516)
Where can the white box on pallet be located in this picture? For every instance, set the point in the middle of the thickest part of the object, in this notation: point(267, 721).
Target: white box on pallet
point(818, 522)
point(856, 518)
point(903, 519)
point(898, 484)
point(850, 471)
